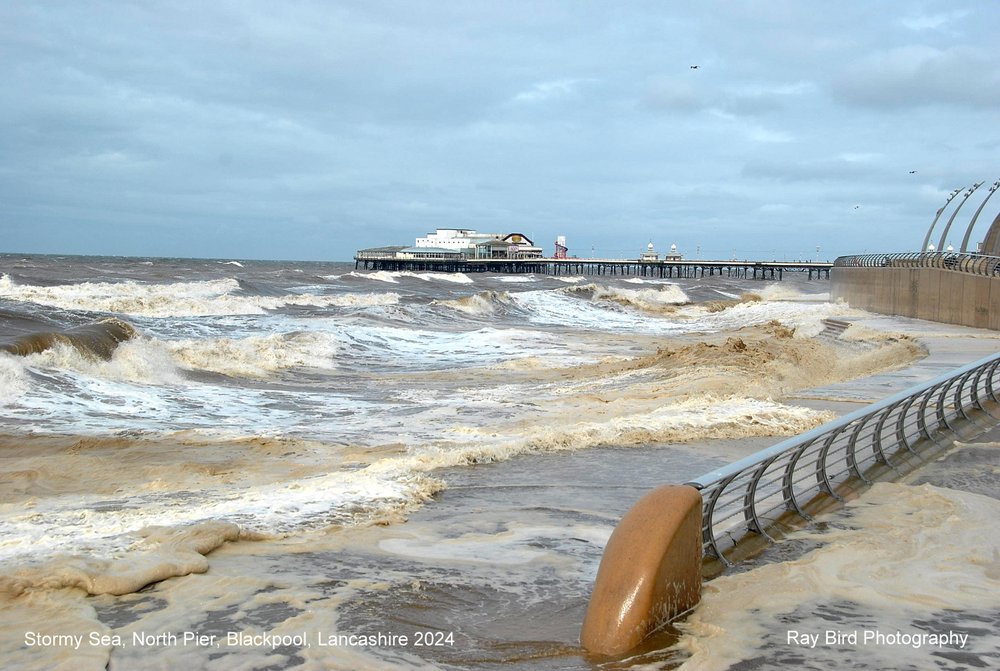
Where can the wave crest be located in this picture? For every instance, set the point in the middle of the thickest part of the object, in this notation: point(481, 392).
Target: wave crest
point(482, 303)
point(177, 299)
point(664, 299)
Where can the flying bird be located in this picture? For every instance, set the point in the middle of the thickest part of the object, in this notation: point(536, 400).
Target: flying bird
point(856, 206)
point(695, 67)
point(913, 172)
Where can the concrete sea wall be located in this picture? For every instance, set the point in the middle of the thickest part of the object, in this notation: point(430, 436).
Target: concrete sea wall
point(935, 294)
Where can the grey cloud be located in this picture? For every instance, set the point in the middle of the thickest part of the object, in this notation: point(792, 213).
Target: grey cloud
point(917, 75)
point(135, 127)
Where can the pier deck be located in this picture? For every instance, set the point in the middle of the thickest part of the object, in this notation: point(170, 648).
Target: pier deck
point(663, 268)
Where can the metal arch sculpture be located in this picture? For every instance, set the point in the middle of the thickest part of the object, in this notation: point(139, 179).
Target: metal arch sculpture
point(991, 245)
point(951, 220)
point(927, 238)
point(968, 231)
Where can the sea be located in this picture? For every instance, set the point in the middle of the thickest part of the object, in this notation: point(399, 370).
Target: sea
point(232, 464)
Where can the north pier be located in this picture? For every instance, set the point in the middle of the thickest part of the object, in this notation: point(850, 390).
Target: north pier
point(661, 268)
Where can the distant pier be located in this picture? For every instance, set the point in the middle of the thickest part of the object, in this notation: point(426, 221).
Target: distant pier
point(661, 268)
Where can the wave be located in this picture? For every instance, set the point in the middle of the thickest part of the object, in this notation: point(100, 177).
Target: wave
point(662, 300)
point(517, 279)
point(13, 379)
point(126, 527)
point(178, 299)
point(97, 493)
point(720, 305)
point(392, 277)
point(99, 339)
point(482, 303)
point(257, 356)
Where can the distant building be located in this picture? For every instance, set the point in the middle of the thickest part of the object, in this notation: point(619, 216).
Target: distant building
point(673, 254)
point(429, 253)
point(561, 249)
point(460, 243)
point(460, 239)
point(510, 246)
point(650, 254)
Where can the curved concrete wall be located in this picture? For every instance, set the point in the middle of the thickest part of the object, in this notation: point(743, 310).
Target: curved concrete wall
point(925, 293)
point(650, 571)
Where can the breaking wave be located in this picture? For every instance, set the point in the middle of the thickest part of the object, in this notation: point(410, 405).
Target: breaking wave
point(664, 299)
point(257, 356)
point(393, 277)
point(178, 299)
point(98, 339)
point(482, 303)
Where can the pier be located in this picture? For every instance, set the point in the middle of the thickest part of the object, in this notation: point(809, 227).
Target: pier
point(661, 268)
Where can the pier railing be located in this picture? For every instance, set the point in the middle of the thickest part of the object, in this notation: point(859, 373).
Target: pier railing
point(756, 494)
point(976, 264)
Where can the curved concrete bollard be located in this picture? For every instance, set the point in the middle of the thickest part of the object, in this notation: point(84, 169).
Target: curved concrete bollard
point(650, 572)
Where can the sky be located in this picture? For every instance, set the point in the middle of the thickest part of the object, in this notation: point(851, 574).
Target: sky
point(307, 130)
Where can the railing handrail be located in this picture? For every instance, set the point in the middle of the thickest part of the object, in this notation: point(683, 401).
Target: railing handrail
point(778, 479)
point(972, 263)
point(759, 457)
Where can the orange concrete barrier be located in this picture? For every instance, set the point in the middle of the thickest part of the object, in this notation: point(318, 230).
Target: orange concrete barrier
point(650, 572)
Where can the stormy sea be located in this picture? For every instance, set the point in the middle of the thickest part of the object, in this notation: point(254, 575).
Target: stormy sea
point(222, 464)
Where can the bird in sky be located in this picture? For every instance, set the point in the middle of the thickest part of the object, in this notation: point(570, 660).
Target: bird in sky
point(913, 172)
point(695, 67)
point(856, 206)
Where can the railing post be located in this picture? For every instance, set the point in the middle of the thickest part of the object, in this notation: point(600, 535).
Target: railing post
point(901, 425)
point(750, 500)
point(879, 452)
point(788, 482)
point(822, 473)
point(852, 445)
point(708, 529)
point(942, 416)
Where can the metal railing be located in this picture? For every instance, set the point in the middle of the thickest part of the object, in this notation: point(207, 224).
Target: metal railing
point(748, 496)
point(976, 264)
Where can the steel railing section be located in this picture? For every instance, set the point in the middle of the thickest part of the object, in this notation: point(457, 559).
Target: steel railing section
point(975, 264)
point(750, 494)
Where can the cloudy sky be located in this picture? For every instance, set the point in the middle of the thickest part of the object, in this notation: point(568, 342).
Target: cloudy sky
point(307, 130)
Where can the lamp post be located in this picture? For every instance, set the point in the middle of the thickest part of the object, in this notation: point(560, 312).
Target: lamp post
point(968, 231)
point(944, 234)
point(951, 196)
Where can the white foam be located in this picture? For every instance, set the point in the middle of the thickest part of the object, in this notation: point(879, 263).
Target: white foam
point(482, 303)
point(517, 279)
point(907, 555)
point(666, 295)
point(139, 360)
point(780, 291)
point(13, 378)
point(805, 317)
point(211, 297)
point(84, 524)
point(561, 309)
point(257, 356)
point(393, 277)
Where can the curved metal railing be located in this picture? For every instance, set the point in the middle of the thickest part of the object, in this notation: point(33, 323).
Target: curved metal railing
point(976, 264)
point(749, 495)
